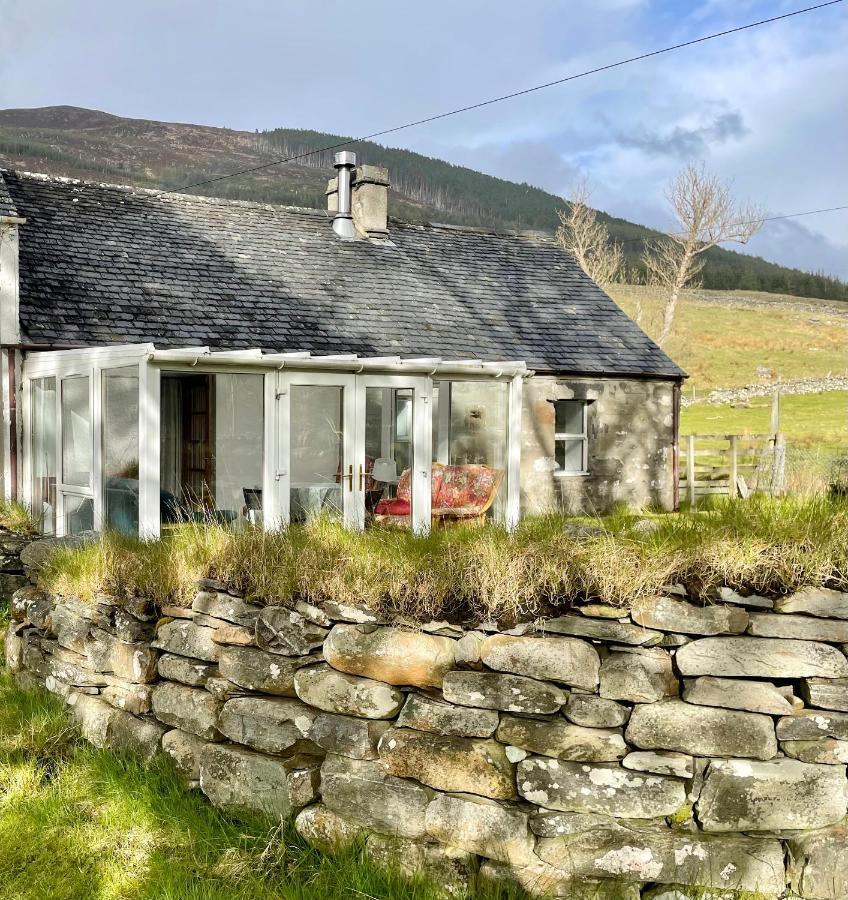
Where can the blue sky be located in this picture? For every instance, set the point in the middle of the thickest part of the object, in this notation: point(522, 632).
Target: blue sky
point(767, 108)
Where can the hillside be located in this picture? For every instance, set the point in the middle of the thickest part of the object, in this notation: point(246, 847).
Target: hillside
point(86, 143)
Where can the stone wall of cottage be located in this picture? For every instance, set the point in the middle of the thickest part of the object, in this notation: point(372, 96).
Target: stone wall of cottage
point(631, 436)
point(596, 754)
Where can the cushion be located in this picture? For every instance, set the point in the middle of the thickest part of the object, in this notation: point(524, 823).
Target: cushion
point(467, 487)
point(396, 507)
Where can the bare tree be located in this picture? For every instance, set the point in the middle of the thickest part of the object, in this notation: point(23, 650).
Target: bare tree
point(706, 216)
point(588, 240)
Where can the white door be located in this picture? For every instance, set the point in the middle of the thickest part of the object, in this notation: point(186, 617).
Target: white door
point(316, 434)
point(394, 447)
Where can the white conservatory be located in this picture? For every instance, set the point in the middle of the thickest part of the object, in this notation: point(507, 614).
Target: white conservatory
point(137, 439)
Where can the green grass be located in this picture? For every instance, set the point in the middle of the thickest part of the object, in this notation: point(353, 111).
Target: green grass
point(722, 346)
point(78, 823)
point(811, 420)
point(16, 517)
point(468, 574)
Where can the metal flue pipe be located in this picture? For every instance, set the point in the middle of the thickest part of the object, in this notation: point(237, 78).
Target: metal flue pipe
point(343, 220)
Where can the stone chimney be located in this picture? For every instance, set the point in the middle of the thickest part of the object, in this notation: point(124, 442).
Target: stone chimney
point(369, 201)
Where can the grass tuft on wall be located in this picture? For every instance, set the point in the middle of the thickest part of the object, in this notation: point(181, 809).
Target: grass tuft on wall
point(765, 545)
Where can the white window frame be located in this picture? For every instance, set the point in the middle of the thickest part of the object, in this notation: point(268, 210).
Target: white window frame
point(583, 437)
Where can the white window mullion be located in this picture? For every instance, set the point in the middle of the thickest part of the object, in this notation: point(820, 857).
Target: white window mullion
point(513, 465)
point(96, 398)
point(149, 515)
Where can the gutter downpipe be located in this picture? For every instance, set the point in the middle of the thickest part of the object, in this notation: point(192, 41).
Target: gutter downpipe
point(11, 356)
point(675, 447)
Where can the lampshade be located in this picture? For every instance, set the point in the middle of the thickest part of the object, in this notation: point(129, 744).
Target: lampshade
point(385, 470)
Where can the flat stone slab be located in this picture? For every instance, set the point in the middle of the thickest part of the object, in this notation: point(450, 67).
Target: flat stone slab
point(818, 864)
point(348, 695)
point(450, 868)
point(271, 725)
point(257, 670)
point(237, 779)
point(511, 693)
point(602, 630)
point(638, 676)
point(426, 714)
point(753, 657)
point(562, 740)
point(805, 628)
point(131, 661)
point(133, 698)
point(592, 711)
point(815, 602)
point(184, 749)
point(360, 791)
point(285, 631)
point(812, 724)
point(392, 655)
point(733, 693)
point(541, 880)
point(701, 730)
point(348, 735)
point(669, 857)
point(183, 637)
point(460, 765)
point(604, 788)
point(660, 762)
point(782, 794)
point(567, 660)
point(326, 830)
point(187, 708)
point(826, 693)
point(225, 606)
point(193, 672)
point(667, 614)
point(488, 828)
point(827, 751)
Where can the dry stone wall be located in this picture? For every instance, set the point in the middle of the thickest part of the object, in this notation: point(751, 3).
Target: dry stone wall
point(594, 754)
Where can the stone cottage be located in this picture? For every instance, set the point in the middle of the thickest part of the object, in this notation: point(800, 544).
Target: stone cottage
point(168, 356)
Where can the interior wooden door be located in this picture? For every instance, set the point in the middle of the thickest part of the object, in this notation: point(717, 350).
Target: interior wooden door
point(198, 458)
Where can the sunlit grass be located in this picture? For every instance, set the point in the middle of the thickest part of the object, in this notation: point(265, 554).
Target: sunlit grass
point(467, 574)
point(78, 823)
point(16, 517)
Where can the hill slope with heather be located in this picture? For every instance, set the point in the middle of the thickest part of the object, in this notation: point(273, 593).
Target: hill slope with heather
point(88, 144)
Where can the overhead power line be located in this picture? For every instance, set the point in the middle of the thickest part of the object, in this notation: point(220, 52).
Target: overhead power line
point(511, 96)
point(808, 212)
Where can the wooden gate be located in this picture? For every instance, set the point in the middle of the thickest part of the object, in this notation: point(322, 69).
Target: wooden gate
point(733, 465)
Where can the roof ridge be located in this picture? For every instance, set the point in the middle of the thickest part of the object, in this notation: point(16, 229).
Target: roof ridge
point(541, 237)
point(155, 192)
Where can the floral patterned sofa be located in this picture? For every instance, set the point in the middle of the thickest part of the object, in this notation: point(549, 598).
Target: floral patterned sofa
point(459, 494)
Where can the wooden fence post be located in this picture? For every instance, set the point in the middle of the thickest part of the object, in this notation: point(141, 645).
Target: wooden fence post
point(732, 489)
point(690, 468)
point(778, 473)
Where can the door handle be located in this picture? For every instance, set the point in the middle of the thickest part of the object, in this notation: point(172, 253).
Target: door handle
point(349, 477)
point(361, 476)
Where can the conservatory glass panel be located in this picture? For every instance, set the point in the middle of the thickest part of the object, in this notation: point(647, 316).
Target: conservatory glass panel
point(76, 431)
point(44, 462)
point(212, 447)
point(120, 449)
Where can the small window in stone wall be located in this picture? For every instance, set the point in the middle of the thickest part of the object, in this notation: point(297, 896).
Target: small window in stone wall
point(571, 440)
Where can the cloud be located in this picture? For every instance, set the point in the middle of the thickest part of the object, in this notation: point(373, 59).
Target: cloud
point(687, 143)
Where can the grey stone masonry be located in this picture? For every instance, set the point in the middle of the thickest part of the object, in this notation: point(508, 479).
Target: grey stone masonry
point(681, 751)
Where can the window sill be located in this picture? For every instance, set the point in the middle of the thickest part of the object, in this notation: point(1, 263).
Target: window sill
point(571, 474)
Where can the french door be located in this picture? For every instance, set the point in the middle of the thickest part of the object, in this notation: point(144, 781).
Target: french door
point(351, 446)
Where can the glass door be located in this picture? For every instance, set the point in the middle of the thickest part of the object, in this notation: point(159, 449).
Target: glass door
point(393, 457)
point(315, 473)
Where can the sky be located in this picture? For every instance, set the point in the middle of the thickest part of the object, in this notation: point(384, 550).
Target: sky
point(766, 109)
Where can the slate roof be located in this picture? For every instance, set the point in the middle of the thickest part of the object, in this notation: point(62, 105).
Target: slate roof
point(104, 264)
point(7, 207)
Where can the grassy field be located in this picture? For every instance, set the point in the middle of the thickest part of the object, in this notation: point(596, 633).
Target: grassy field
point(807, 420)
point(723, 346)
point(83, 824)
